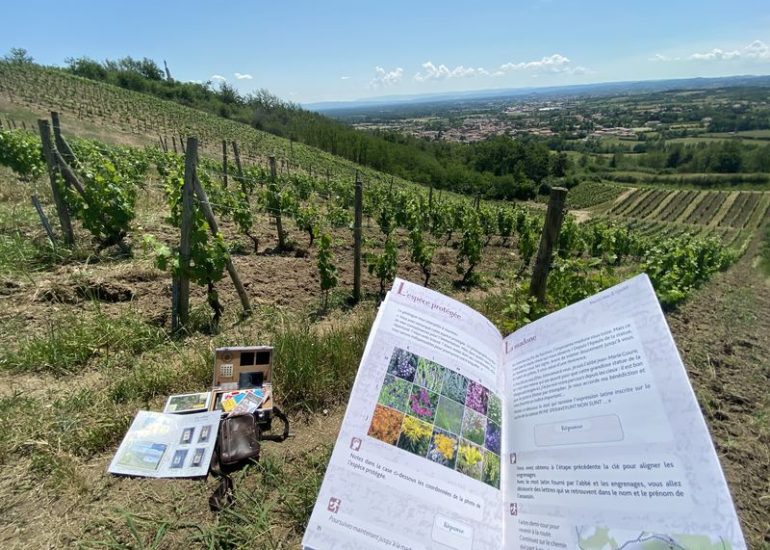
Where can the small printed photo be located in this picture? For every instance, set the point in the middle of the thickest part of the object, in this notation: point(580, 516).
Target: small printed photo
point(395, 392)
point(197, 458)
point(178, 460)
point(477, 397)
point(491, 472)
point(494, 409)
point(422, 404)
point(474, 426)
point(203, 437)
point(449, 415)
point(189, 402)
point(470, 459)
point(403, 364)
point(429, 375)
point(415, 436)
point(492, 439)
point(443, 448)
point(386, 424)
point(144, 455)
point(455, 386)
point(187, 436)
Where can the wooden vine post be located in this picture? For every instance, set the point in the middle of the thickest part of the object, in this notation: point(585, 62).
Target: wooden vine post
point(58, 197)
point(359, 208)
point(224, 164)
point(238, 166)
point(44, 219)
point(180, 314)
point(550, 236)
point(273, 189)
point(61, 144)
point(208, 213)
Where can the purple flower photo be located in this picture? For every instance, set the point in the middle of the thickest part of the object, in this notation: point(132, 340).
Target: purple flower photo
point(492, 441)
point(422, 404)
point(477, 397)
point(403, 364)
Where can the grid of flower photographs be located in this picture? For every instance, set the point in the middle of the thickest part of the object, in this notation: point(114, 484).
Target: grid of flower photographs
point(441, 415)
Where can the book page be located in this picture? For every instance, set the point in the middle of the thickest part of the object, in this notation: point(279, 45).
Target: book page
point(417, 461)
point(605, 446)
point(167, 445)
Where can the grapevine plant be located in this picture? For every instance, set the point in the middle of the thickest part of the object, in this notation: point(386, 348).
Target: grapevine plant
point(208, 253)
point(326, 268)
point(22, 153)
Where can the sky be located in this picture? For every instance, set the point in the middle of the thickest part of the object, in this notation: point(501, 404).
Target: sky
point(327, 50)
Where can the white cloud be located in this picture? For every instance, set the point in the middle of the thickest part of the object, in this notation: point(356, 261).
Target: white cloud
point(715, 54)
point(756, 51)
point(240, 76)
point(555, 63)
point(383, 78)
point(442, 72)
point(344, 78)
point(218, 77)
point(661, 57)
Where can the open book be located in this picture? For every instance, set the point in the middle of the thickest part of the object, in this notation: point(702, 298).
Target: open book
point(579, 431)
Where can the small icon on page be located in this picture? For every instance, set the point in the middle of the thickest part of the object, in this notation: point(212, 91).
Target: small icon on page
point(513, 458)
point(355, 443)
point(514, 509)
point(334, 505)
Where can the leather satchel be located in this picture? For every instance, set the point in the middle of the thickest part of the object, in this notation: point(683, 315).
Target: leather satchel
point(238, 440)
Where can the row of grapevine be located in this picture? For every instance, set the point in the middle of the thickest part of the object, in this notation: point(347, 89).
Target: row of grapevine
point(736, 209)
point(317, 205)
point(707, 208)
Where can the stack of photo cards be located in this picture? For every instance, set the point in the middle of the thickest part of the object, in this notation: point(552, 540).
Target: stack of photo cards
point(167, 445)
point(188, 403)
point(245, 401)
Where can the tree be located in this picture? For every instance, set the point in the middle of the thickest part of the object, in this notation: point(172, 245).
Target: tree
point(86, 67)
point(18, 56)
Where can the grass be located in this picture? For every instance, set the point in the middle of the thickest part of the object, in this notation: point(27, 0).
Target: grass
point(315, 366)
point(274, 501)
point(24, 246)
point(72, 340)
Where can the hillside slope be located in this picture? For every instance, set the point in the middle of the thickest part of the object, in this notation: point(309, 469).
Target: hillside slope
point(113, 114)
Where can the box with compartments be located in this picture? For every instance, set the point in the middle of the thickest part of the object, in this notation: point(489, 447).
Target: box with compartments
point(244, 368)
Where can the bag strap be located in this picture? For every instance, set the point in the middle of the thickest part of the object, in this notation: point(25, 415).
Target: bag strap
point(223, 495)
point(278, 437)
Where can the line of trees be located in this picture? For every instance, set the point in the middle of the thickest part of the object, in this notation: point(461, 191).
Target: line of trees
point(722, 157)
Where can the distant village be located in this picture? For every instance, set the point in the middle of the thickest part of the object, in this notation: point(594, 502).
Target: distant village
point(542, 119)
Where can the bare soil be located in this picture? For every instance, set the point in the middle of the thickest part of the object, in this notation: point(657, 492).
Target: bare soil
point(723, 334)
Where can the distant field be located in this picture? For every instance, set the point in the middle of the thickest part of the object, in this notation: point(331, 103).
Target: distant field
point(730, 215)
point(591, 193)
point(748, 134)
point(741, 181)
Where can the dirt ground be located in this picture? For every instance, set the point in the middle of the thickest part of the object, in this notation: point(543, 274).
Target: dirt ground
point(723, 334)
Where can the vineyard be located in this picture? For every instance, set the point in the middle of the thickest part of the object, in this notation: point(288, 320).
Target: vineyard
point(93, 311)
point(136, 118)
point(732, 216)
